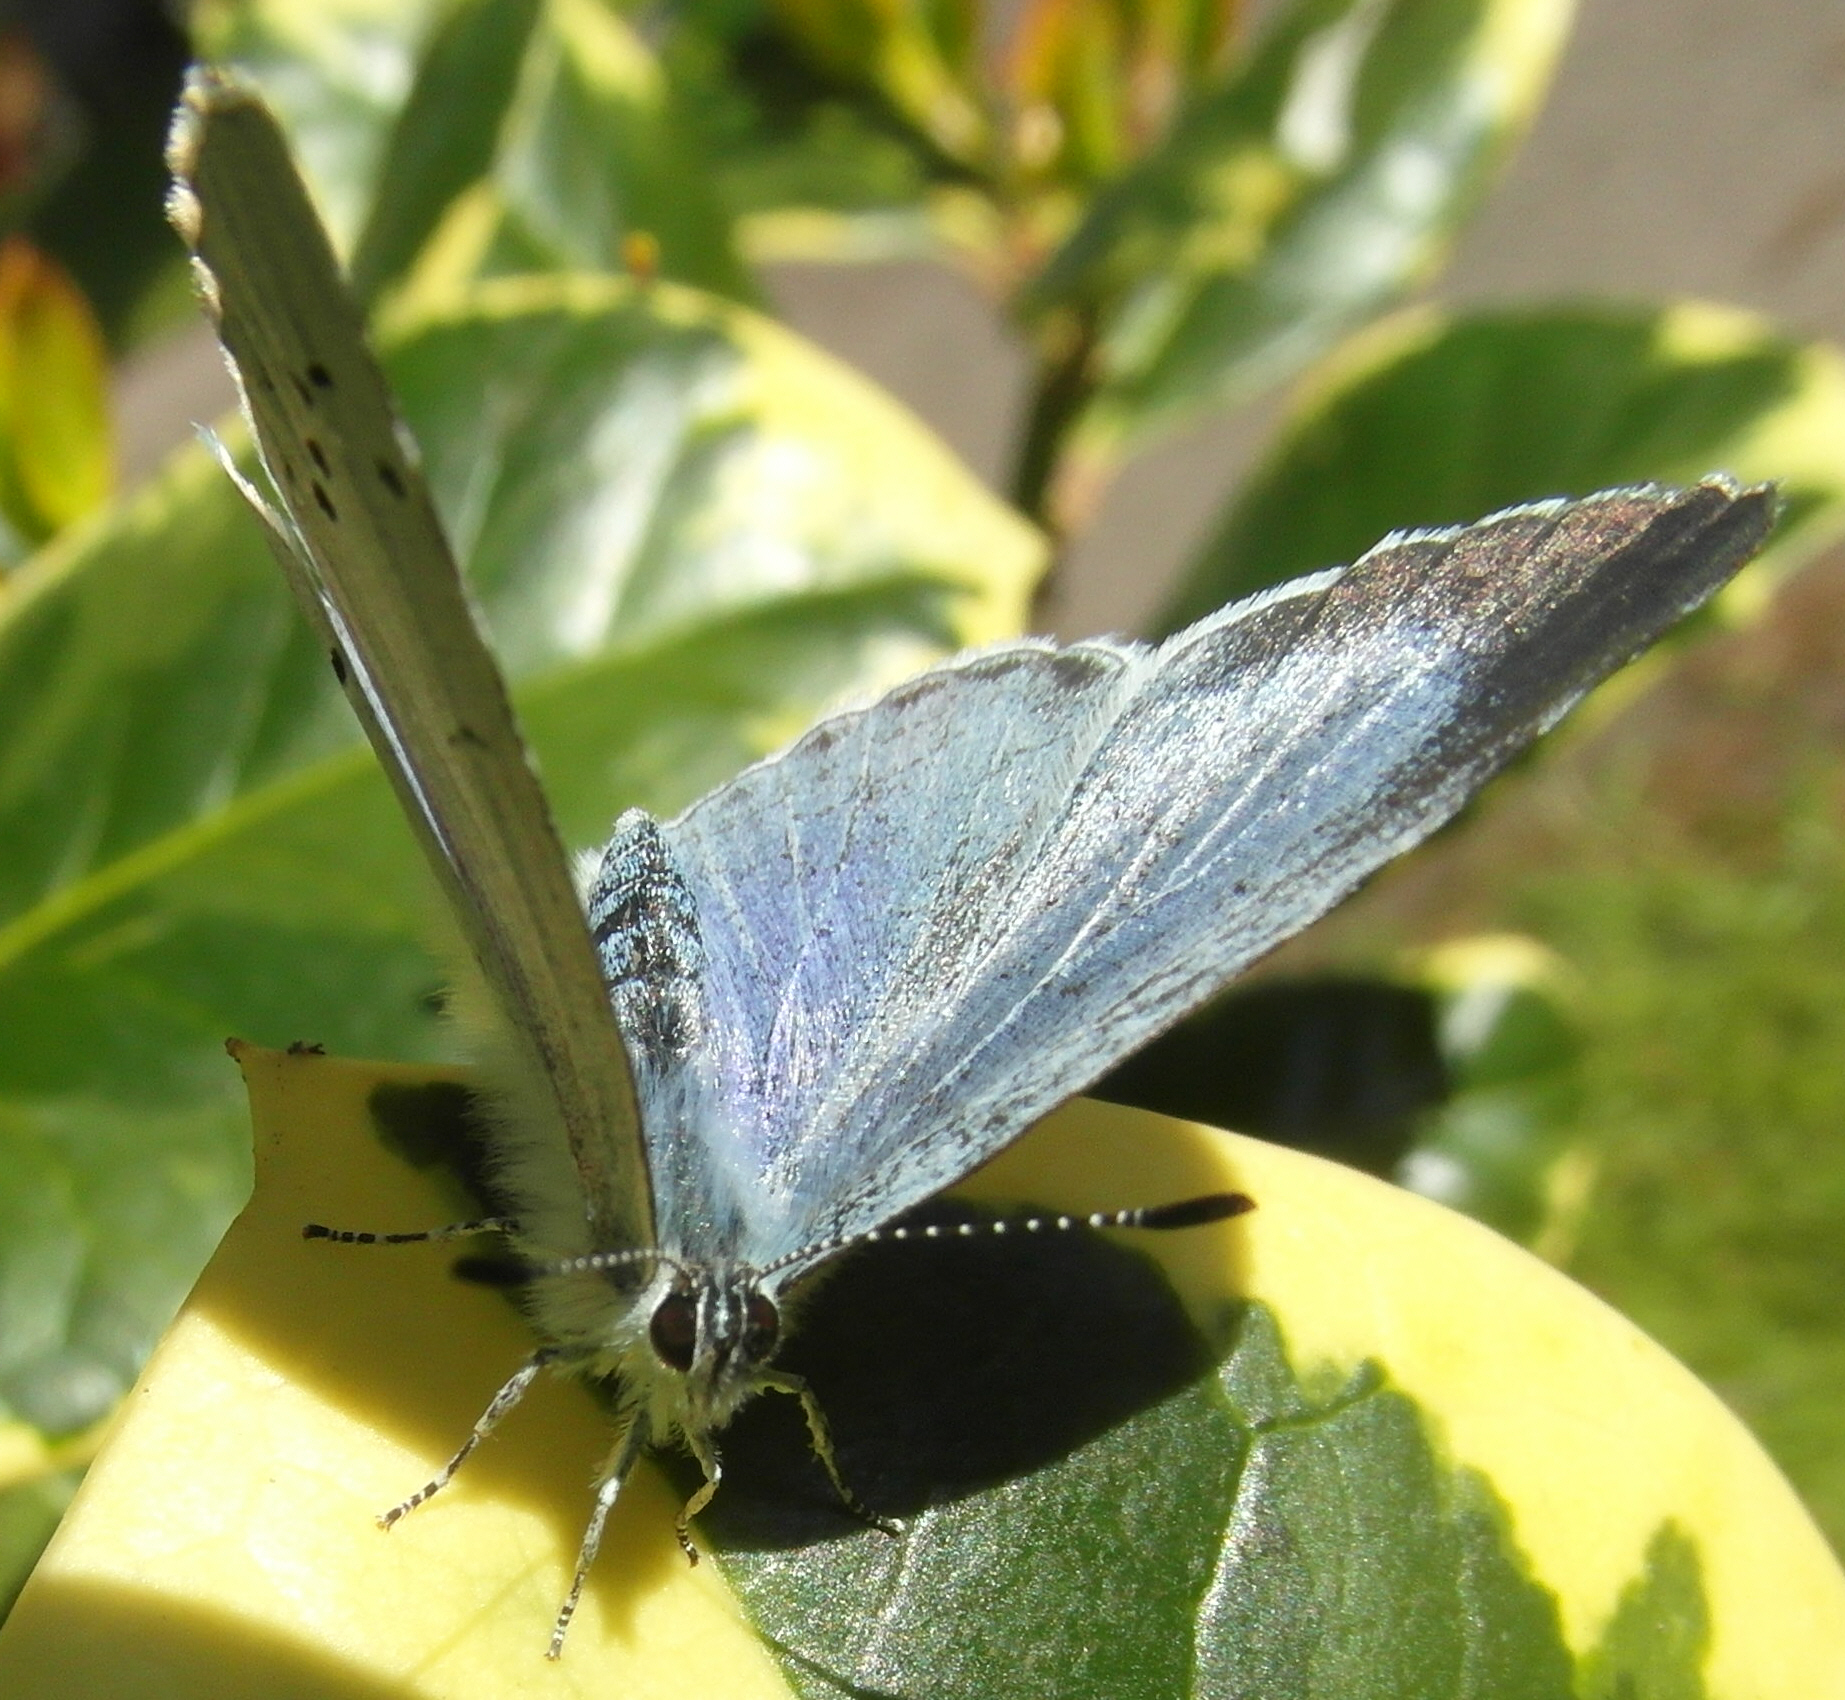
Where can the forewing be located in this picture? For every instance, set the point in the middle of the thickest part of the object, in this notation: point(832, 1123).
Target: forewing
point(828, 883)
point(360, 543)
point(932, 921)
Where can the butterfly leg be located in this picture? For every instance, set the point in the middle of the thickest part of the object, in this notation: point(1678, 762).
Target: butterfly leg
point(821, 1438)
point(608, 1488)
point(704, 1449)
point(502, 1402)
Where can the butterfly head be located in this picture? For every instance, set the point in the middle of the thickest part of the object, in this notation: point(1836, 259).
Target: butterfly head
point(690, 1342)
point(718, 1330)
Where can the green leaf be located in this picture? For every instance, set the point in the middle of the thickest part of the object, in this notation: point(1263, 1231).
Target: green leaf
point(1432, 420)
point(1501, 1147)
point(813, 169)
point(916, 54)
point(339, 74)
point(444, 136)
point(689, 532)
point(532, 136)
point(1242, 1534)
point(1295, 201)
point(29, 1511)
point(591, 155)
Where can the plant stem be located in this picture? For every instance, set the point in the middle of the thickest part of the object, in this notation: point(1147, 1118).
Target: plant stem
point(1065, 382)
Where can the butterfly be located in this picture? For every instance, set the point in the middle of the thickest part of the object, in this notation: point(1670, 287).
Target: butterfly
point(852, 974)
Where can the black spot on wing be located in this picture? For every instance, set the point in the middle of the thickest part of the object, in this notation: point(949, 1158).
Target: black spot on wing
point(319, 376)
point(388, 476)
point(318, 456)
point(325, 502)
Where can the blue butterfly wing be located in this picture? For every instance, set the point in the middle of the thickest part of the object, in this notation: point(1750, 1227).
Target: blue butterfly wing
point(748, 962)
point(932, 920)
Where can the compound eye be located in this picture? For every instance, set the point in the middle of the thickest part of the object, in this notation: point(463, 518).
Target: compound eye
point(674, 1330)
point(762, 1326)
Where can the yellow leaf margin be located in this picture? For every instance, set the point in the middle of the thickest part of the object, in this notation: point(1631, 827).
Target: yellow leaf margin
point(224, 1541)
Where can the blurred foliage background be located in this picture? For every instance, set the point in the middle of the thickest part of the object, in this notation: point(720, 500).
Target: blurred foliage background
point(1602, 1013)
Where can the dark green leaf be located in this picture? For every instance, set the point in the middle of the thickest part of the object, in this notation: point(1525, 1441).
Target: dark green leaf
point(1234, 1532)
point(1654, 1645)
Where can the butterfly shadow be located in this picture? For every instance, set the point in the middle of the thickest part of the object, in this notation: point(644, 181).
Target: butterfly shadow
point(946, 1368)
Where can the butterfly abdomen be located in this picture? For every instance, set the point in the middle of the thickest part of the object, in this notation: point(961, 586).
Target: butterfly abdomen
point(644, 920)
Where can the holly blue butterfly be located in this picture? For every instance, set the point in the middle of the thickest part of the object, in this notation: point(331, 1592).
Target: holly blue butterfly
point(852, 974)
